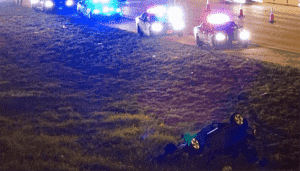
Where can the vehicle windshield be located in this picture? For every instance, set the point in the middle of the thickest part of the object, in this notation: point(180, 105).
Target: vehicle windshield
point(153, 18)
point(225, 26)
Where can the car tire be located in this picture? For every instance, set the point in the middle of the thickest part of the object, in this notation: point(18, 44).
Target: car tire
point(198, 41)
point(78, 11)
point(212, 43)
point(140, 31)
point(34, 8)
point(245, 44)
point(230, 40)
point(90, 15)
point(237, 119)
point(150, 32)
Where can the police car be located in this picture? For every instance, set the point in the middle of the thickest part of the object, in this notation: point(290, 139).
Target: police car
point(54, 5)
point(99, 8)
point(219, 31)
point(161, 20)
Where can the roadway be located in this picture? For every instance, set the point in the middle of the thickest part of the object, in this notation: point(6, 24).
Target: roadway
point(277, 43)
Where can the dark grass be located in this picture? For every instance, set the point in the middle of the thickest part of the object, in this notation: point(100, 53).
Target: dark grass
point(77, 99)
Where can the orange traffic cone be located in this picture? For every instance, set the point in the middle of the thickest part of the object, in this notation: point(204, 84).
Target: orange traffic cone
point(241, 12)
point(271, 17)
point(207, 6)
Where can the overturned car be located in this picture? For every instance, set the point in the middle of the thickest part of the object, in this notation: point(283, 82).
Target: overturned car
point(216, 139)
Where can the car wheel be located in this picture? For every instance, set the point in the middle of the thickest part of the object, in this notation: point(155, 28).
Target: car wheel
point(245, 44)
point(140, 31)
point(34, 8)
point(213, 44)
point(237, 119)
point(78, 10)
point(89, 14)
point(150, 32)
point(198, 41)
point(230, 40)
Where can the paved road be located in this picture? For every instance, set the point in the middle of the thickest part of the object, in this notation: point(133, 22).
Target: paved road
point(277, 43)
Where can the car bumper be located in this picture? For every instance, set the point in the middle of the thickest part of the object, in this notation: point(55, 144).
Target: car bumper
point(109, 11)
point(60, 8)
point(167, 30)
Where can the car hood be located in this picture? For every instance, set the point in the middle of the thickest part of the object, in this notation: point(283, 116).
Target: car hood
point(228, 27)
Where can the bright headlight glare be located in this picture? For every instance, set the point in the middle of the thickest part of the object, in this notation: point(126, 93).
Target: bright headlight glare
point(178, 25)
point(49, 4)
point(157, 10)
point(240, 1)
point(105, 9)
point(69, 3)
point(218, 19)
point(96, 11)
point(118, 10)
point(175, 13)
point(157, 27)
point(101, 1)
point(244, 35)
point(220, 36)
point(34, 1)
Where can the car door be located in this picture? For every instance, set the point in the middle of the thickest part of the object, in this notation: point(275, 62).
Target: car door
point(204, 32)
point(147, 23)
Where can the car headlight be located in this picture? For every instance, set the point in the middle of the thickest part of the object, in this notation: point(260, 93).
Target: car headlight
point(69, 3)
point(218, 18)
point(220, 36)
point(105, 9)
point(157, 10)
point(240, 1)
point(96, 11)
point(175, 13)
point(101, 1)
point(178, 25)
point(195, 144)
point(175, 16)
point(118, 10)
point(34, 1)
point(157, 27)
point(49, 4)
point(244, 35)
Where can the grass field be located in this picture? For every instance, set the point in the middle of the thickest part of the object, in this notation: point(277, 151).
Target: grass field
point(75, 99)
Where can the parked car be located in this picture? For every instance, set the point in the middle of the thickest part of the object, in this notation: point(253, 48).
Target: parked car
point(99, 8)
point(216, 139)
point(54, 5)
point(161, 20)
point(219, 31)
